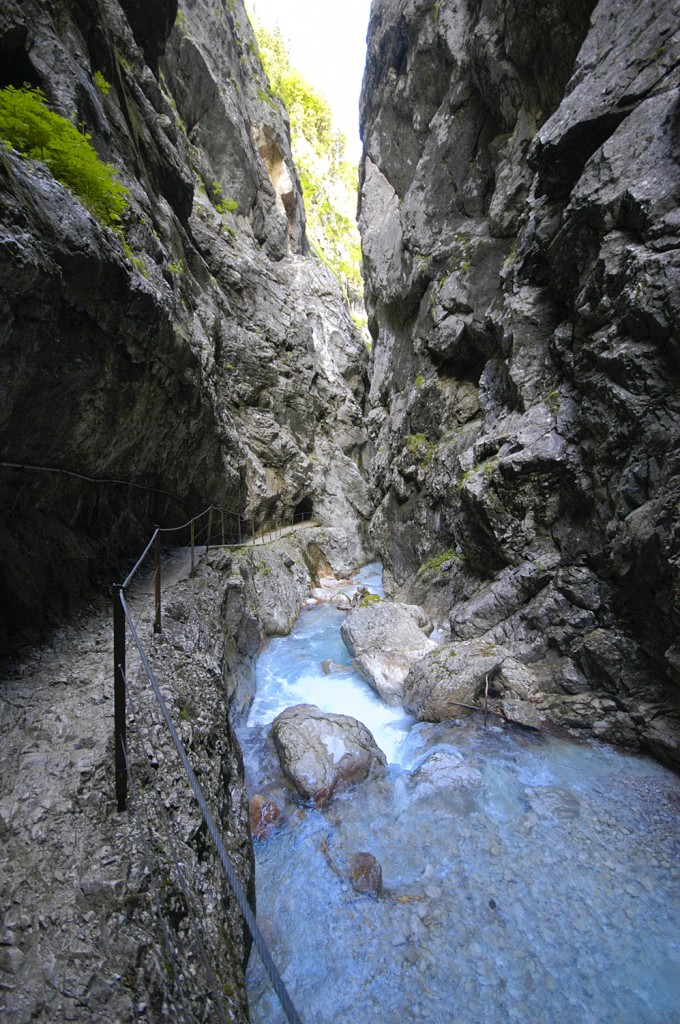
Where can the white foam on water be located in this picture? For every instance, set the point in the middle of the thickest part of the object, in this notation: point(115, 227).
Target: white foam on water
point(549, 892)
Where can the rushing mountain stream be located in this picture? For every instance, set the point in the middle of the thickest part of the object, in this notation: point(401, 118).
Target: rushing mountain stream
point(538, 883)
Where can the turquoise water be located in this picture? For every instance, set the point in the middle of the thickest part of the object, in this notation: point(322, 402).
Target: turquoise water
point(289, 672)
point(539, 886)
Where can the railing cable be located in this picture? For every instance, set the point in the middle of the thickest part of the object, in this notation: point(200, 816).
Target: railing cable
point(232, 877)
point(139, 561)
point(179, 871)
point(184, 1016)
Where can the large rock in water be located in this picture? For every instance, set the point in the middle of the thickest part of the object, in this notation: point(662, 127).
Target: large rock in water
point(445, 770)
point(386, 639)
point(519, 197)
point(319, 751)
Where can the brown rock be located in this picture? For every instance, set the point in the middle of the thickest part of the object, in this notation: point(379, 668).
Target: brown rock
point(366, 874)
point(264, 815)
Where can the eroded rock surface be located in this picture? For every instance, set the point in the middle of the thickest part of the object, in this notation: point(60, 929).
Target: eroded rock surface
point(385, 639)
point(320, 752)
point(520, 187)
point(210, 358)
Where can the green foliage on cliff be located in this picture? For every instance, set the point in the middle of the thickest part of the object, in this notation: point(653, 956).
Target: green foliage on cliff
point(437, 561)
point(329, 181)
point(30, 127)
point(420, 448)
point(223, 204)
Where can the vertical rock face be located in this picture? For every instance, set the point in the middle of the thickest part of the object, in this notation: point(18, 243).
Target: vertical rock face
point(209, 359)
point(519, 200)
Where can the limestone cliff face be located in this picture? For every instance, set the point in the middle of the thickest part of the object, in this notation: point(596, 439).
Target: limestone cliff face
point(519, 201)
point(214, 360)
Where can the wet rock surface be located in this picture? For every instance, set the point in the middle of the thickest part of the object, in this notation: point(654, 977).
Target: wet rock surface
point(385, 639)
point(519, 188)
point(264, 816)
point(511, 840)
point(503, 856)
point(320, 752)
point(366, 874)
point(443, 769)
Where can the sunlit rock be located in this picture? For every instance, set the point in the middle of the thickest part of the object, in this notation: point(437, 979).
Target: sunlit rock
point(386, 639)
point(330, 595)
point(320, 752)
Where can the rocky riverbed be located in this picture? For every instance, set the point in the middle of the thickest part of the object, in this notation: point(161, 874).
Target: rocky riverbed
point(489, 870)
point(83, 922)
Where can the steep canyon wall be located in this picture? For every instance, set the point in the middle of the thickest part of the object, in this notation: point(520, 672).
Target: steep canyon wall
point(206, 357)
point(519, 214)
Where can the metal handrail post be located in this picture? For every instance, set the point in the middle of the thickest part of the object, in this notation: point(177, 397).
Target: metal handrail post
point(119, 737)
point(193, 545)
point(222, 518)
point(207, 540)
point(157, 582)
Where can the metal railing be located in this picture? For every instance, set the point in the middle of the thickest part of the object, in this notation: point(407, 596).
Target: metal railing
point(213, 527)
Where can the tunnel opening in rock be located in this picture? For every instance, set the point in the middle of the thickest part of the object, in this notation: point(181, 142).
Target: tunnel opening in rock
point(304, 510)
point(15, 66)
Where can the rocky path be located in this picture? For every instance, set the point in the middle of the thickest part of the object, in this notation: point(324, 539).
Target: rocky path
point(69, 949)
point(63, 865)
point(65, 870)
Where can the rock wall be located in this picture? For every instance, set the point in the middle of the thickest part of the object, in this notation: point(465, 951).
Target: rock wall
point(519, 198)
point(98, 923)
point(210, 358)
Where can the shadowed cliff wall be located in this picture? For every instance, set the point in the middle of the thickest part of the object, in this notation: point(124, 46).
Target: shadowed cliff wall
point(519, 200)
point(210, 359)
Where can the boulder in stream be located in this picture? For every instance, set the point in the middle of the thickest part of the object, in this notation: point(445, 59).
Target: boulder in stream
point(447, 683)
point(386, 639)
point(366, 873)
point(444, 769)
point(319, 751)
point(264, 815)
point(332, 668)
point(473, 674)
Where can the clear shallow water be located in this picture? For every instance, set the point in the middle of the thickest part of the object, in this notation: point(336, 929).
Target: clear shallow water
point(547, 890)
point(289, 672)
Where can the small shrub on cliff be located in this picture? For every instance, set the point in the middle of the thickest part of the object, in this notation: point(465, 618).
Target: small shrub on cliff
point(437, 561)
point(30, 127)
point(420, 448)
point(101, 83)
point(223, 204)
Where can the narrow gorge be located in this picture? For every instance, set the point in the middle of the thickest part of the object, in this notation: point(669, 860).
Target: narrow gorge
point(506, 447)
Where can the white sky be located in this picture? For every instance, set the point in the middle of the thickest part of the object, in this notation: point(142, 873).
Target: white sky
point(327, 43)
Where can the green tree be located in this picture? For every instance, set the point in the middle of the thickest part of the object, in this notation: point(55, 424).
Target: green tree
point(329, 181)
